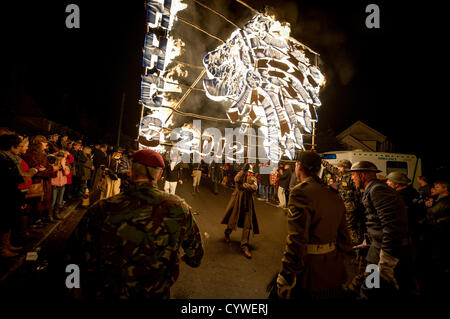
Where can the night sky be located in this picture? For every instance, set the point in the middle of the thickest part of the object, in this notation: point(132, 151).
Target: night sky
point(384, 77)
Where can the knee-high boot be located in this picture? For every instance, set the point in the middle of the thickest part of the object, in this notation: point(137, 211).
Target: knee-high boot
point(11, 247)
point(4, 247)
point(50, 215)
point(56, 215)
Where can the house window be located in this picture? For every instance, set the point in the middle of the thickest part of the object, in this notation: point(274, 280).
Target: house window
point(392, 166)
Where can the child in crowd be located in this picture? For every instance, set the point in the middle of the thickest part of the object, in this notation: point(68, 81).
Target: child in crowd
point(58, 184)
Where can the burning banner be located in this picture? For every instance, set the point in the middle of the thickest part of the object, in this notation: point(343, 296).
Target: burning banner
point(270, 80)
point(159, 50)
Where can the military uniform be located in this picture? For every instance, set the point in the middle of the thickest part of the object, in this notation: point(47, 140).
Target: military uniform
point(130, 243)
point(352, 201)
point(316, 218)
point(313, 260)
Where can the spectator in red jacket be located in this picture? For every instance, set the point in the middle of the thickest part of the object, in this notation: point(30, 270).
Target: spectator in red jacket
point(27, 174)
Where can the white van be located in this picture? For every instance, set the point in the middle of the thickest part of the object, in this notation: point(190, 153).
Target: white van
point(386, 162)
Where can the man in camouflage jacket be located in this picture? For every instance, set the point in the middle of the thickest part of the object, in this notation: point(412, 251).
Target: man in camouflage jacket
point(351, 197)
point(130, 243)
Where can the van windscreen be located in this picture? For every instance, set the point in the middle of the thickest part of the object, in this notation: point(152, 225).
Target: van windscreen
point(397, 166)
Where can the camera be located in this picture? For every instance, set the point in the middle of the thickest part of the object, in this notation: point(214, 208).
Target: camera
point(51, 159)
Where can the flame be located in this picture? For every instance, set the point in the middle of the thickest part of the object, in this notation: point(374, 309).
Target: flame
point(177, 6)
point(176, 71)
point(283, 30)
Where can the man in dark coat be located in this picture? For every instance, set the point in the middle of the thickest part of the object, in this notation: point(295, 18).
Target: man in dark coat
point(101, 168)
point(438, 236)
point(216, 174)
point(283, 184)
point(124, 170)
point(387, 226)
point(313, 260)
point(265, 182)
point(172, 175)
point(240, 211)
point(78, 162)
point(416, 212)
point(10, 195)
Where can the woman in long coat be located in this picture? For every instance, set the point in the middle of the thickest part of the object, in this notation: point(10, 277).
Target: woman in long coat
point(240, 211)
point(36, 157)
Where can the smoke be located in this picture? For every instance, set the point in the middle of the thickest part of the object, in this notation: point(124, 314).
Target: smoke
point(312, 24)
point(197, 44)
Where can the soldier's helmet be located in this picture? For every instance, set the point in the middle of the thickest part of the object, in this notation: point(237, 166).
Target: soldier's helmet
point(148, 157)
point(364, 166)
point(344, 163)
point(398, 177)
point(310, 160)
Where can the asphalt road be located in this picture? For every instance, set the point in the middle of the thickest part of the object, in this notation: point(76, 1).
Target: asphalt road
point(224, 272)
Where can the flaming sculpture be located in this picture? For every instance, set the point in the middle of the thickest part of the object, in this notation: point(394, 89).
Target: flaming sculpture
point(159, 50)
point(269, 79)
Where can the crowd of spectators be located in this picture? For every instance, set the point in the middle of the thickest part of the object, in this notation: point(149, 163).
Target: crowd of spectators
point(40, 176)
point(273, 187)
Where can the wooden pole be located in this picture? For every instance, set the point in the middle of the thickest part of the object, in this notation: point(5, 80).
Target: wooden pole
point(120, 119)
point(313, 136)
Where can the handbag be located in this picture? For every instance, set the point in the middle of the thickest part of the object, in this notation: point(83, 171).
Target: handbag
point(36, 190)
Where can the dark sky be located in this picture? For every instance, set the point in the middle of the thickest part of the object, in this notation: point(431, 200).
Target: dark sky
point(384, 77)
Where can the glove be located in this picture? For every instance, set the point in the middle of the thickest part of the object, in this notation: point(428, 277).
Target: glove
point(283, 288)
point(386, 267)
point(362, 245)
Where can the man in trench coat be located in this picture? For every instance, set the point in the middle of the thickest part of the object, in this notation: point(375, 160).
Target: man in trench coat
point(240, 211)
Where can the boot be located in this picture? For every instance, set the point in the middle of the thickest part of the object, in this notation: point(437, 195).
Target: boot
point(227, 237)
point(194, 191)
point(4, 251)
point(50, 215)
point(56, 215)
point(24, 229)
point(198, 188)
point(8, 243)
point(246, 252)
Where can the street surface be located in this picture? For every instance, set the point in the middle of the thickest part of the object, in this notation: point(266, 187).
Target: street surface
point(224, 272)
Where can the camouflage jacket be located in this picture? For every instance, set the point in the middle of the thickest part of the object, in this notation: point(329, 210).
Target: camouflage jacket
point(349, 194)
point(352, 198)
point(130, 243)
